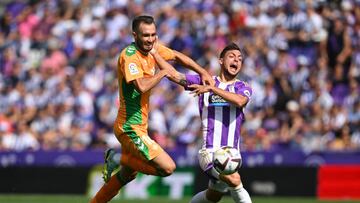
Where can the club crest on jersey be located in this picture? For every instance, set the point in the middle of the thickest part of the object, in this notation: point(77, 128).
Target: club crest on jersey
point(216, 100)
point(130, 50)
point(133, 69)
point(247, 93)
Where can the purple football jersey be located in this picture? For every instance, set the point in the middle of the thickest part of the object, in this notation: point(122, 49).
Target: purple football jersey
point(221, 120)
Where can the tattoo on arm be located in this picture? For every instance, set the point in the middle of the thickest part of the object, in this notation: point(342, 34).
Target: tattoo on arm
point(183, 82)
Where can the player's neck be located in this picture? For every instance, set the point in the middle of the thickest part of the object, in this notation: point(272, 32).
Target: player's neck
point(143, 52)
point(226, 79)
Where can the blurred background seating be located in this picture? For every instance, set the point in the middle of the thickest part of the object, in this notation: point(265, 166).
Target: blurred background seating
point(58, 87)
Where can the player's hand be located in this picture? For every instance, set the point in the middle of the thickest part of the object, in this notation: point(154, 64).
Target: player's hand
point(207, 79)
point(199, 89)
point(155, 46)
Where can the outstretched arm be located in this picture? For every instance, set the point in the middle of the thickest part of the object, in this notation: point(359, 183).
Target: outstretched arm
point(188, 63)
point(237, 99)
point(173, 75)
point(191, 64)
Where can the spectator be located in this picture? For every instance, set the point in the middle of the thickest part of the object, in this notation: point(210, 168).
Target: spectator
point(58, 61)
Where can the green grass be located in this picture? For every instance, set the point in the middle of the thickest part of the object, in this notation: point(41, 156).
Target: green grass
point(83, 199)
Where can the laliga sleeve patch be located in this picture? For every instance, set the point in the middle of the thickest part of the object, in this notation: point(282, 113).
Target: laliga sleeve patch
point(247, 93)
point(133, 69)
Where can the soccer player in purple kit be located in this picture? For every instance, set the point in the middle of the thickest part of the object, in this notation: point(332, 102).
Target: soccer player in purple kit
point(221, 110)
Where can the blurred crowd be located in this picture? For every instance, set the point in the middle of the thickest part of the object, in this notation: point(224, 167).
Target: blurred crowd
point(58, 84)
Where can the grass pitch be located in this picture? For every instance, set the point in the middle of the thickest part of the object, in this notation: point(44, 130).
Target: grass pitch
point(83, 199)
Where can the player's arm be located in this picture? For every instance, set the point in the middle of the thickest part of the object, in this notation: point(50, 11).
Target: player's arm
point(147, 83)
point(237, 99)
point(191, 64)
point(134, 73)
point(173, 75)
point(187, 62)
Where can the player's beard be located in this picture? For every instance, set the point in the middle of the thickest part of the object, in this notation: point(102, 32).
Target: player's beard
point(147, 47)
point(143, 47)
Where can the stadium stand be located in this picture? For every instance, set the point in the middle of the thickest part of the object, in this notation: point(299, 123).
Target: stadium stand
point(58, 87)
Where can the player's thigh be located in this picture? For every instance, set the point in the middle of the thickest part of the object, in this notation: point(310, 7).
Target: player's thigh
point(157, 157)
point(164, 162)
point(140, 147)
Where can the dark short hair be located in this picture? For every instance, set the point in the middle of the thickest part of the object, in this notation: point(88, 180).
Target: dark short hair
point(229, 47)
point(141, 19)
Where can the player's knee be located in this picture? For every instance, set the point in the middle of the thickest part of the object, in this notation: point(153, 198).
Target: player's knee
point(132, 176)
point(125, 178)
point(168, 170)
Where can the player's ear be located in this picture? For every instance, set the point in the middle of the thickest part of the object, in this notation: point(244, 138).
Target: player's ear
point(134, 35)
point(221, 61)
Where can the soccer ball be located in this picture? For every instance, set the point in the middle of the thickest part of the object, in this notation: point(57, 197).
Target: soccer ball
point(226, 160)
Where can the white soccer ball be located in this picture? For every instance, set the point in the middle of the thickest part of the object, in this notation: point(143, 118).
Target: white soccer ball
point(226, 160)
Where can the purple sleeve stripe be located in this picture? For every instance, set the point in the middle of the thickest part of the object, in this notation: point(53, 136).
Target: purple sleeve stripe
point(192, 79)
